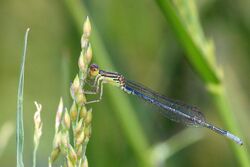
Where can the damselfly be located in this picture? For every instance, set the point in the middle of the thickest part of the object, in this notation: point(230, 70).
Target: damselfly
point(173, 110)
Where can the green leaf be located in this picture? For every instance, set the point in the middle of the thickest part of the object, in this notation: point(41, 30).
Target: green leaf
point(19, 120)
point(183, 18)
point(196, 55)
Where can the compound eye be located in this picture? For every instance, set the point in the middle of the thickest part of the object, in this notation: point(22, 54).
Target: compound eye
point(94, 70)
point(93, 67)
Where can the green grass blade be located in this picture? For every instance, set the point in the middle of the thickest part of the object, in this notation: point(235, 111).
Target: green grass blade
point(185, 24)
point(126, 113)
point(161, 152)
point(195, 54)
point(19, 121)
point(228, 119)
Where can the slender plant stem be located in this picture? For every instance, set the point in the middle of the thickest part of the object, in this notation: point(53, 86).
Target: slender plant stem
point(194, 54)
point(19, 121)
point(164, 150)
point(228, 119)
point(199, 60)
point(34, 156)
point(122, 107)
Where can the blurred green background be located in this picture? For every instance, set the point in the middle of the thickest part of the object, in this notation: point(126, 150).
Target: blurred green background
point(142, 46)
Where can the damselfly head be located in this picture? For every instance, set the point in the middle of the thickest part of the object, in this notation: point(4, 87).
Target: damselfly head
point(93, 70)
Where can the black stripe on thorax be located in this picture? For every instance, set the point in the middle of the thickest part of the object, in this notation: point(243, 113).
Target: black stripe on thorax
point(109, 74)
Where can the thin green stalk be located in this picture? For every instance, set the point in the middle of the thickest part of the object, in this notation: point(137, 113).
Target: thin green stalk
point(19, 121)
point(126, 113)
point(164, 150)
point(34, 156)
point(200, 58)
point(228, 119)
point(194, 54)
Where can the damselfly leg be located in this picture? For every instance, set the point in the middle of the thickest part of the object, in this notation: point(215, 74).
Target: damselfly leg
point(98, 86)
